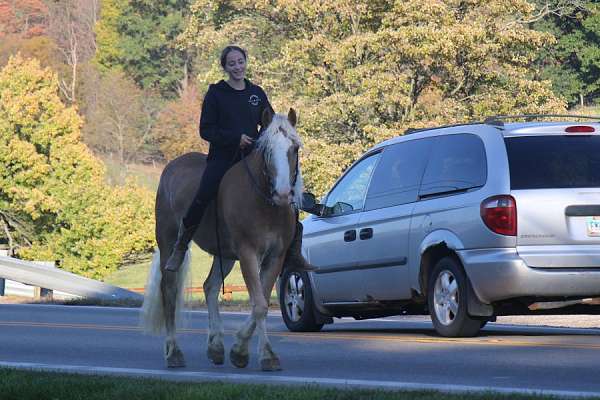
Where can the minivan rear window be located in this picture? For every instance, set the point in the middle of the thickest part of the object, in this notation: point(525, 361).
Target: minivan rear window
point(546, 162)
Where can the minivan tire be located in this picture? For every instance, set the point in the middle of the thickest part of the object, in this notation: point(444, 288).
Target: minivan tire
point(447, 299)
point(296, 302)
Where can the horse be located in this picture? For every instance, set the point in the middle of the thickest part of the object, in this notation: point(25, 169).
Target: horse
point(251, 220)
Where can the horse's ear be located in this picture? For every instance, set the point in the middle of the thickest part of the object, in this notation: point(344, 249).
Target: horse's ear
point(266, 117)
point(292, 117)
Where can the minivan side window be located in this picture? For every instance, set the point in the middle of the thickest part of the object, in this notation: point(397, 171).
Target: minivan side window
point(398, 174)
point(350, 192)
point(456, 163)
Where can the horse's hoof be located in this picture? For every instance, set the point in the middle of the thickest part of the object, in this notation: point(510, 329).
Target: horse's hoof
point(238, 359)
point(216, 354)
point(270, 364)
point(175, 359)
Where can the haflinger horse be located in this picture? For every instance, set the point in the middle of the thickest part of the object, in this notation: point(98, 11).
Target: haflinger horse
point(252, 220)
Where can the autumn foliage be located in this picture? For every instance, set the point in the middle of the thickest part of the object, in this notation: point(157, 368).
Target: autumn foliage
point(124, 80)
point(176, 130)
point(52, 188)
point(26, 18)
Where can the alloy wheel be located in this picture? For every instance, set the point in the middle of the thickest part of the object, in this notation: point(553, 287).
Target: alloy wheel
point(446, 298)
point(294, 296)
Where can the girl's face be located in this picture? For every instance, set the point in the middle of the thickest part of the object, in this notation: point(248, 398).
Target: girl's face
point(235, 65)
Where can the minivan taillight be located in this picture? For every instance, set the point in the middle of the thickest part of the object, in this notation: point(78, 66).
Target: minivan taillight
point(500, 214)
point(580, 129)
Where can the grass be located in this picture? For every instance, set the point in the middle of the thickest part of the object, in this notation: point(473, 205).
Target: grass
point(143, 174)
point(135, 276)
point(27, 385)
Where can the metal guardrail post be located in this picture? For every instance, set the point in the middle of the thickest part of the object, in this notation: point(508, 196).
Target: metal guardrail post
point(2, 280)
point(41, 292)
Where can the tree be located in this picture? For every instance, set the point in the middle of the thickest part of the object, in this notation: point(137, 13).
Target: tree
point(71, 26)
point(25, 18)
point(176, 128)
point(140, 38)
point(54, 202)
point(120, 116)
point(23, 28)
point(362, 71)
point(572, 63)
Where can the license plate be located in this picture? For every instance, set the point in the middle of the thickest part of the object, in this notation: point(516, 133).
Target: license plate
point(593, 226)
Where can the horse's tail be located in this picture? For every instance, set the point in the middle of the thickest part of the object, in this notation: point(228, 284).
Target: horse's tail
point(153, 318)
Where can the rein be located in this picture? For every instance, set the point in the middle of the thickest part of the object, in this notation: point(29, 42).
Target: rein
point(255, 185)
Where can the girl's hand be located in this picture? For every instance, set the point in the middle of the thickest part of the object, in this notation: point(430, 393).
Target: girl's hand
point(245, 141)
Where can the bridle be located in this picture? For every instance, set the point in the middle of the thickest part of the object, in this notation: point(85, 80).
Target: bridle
point(268, 198)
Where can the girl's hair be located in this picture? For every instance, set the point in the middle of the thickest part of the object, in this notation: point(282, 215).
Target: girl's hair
point(229, 49)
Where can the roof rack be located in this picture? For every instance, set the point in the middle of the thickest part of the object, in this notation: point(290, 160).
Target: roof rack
point(408, 131)
point(498, 120)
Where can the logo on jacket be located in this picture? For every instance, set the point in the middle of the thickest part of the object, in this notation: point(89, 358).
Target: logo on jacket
point(254, 100)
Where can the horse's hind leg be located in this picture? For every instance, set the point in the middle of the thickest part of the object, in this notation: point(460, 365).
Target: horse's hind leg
point(249, 264)
point(215, 350)
point(169, 288)
point(268, 275)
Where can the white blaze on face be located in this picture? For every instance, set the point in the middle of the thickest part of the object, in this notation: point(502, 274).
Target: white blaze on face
point(275, 142)
point(279, 160)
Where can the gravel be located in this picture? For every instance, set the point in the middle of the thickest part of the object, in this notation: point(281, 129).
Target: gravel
point(563, 321)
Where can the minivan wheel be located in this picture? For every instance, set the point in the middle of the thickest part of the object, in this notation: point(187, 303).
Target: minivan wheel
point(447, 300)
point(296, 302)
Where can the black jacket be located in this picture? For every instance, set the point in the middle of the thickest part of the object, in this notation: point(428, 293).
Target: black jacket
point(228, 113)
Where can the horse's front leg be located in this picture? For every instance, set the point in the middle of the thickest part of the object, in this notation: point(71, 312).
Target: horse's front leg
point(268, 275)
point(249, 265)
point(215, 349)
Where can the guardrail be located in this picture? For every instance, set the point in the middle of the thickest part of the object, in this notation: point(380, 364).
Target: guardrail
point(48, 277)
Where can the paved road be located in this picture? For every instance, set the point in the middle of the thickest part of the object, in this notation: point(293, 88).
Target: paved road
point(392, 352)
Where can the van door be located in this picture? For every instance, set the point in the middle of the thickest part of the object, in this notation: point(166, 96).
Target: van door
point(555, 180)
point(449, 205)
point(384, 225)
point(331, 240)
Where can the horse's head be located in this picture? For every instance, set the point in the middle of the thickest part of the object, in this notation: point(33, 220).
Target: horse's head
point(279, 144)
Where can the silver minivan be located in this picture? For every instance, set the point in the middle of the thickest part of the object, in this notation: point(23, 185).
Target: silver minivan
point(462, 222)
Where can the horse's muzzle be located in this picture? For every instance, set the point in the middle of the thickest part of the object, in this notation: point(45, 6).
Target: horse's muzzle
point(283, 199)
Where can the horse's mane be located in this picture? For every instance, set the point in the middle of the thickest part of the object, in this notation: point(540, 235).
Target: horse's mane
point(278, 137)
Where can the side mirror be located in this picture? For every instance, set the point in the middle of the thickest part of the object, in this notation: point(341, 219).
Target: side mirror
point(310, 205)
point(341, 208)
point(308, 201)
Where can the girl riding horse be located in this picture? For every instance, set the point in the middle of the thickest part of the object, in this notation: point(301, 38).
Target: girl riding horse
point(231, 113)
point(238, 211)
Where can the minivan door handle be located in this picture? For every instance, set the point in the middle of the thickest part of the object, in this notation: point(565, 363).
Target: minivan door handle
point(350, 236)
point(366, 233)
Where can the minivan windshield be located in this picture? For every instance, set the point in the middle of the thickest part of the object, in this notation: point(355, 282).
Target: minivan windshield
point(545, 162)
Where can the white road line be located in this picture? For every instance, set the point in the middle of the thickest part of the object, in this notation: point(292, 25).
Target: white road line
point(285, 380)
